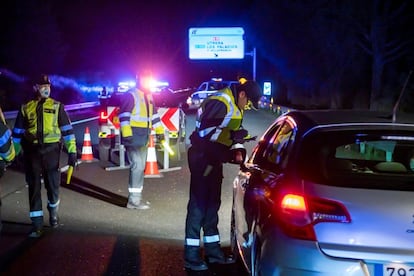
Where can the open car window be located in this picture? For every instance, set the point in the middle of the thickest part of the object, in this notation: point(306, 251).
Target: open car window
point(273, 151)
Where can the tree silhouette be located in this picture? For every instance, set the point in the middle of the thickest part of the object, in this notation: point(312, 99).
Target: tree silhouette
point(385, 35)
point(336, 51)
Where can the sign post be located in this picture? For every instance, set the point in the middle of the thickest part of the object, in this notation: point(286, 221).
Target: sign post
point(253, 54)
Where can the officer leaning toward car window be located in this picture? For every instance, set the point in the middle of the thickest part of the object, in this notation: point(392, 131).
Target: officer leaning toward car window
point(218, 128)
point(41, 125)
point(7, 152)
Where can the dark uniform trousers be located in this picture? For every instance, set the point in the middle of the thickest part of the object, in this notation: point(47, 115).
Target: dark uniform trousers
point(42, 162)
point(204, 203)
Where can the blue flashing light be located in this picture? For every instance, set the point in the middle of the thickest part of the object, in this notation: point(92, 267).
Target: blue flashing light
point(124, 86)
point(89, 89)
point(157, 86)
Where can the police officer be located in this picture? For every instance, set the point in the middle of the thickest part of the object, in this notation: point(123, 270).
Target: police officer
point(218, 128)
point(41, 126)
point(7, 152)
point(137, 118)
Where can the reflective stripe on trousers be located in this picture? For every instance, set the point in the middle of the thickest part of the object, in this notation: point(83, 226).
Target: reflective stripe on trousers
point(35, 214)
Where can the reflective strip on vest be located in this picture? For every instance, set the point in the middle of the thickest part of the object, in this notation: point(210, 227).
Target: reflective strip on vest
point(35, 214)
point(227, 118)
point(124, 114)
point(192, 242)
point(211, 239)
point(19, 130)
point(5, 138)
point(206, 131)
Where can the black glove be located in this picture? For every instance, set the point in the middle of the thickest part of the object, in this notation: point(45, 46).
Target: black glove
point(238, 136)
point(250, 138)
point(127, 141)
point(72, 159)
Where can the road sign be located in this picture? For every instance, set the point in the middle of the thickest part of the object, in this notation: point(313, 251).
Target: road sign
point(113, 116)
point(267, 88)
point(170, 118)
point(216, 43)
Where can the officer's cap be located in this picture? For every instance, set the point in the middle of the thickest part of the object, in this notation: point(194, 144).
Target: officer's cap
point(42, 79)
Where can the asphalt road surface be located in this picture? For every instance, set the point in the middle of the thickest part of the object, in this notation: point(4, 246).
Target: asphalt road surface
point(98, 235)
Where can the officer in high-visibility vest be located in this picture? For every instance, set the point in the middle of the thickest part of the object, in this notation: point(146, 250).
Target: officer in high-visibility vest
point(41, 126)
point(218, 128)
point(7, 152)
point(137, 118)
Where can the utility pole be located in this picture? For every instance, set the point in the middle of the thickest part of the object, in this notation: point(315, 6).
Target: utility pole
point(253, 54)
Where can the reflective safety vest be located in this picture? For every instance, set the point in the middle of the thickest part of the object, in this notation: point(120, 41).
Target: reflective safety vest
point(141, 116)
point(7, 152)
point(44, 122)
point(216, 125)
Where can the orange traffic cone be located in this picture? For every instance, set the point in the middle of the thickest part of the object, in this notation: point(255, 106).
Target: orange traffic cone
point(151, 167)
point(87, 154)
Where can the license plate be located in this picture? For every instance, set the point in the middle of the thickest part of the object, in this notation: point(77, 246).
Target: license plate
point(395, 269)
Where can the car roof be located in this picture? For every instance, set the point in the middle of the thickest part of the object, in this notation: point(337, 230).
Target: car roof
point(221, 81)
point(313, 119)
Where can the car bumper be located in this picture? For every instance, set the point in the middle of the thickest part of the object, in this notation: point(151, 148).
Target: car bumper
point(285, 256)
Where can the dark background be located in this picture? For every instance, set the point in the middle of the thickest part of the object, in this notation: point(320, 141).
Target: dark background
point(323, 53)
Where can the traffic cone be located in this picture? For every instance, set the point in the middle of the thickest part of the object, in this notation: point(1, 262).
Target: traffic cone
point(151, 166)
point(87, 154)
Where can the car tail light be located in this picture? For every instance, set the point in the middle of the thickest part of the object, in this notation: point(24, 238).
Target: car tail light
point(298, 214)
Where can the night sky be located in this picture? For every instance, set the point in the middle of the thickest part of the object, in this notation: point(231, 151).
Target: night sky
point(339, 50)
point(129, 36)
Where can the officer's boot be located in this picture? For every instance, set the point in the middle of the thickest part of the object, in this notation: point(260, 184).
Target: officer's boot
point(135, 202)
point(215, 255)
point(37, 227)
point(192, 259)
point(53, 216)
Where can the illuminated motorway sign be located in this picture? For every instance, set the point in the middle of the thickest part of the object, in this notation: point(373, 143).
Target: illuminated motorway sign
point(216, 43)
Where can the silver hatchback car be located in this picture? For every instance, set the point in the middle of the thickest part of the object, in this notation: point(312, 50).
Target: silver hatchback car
point(328, 193)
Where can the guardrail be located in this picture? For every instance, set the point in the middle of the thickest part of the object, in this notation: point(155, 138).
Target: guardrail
point(13, 114)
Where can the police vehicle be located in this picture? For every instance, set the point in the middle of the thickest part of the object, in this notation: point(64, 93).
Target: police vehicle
point(207, 88)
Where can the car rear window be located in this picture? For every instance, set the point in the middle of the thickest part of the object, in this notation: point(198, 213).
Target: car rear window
point(359, 159)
